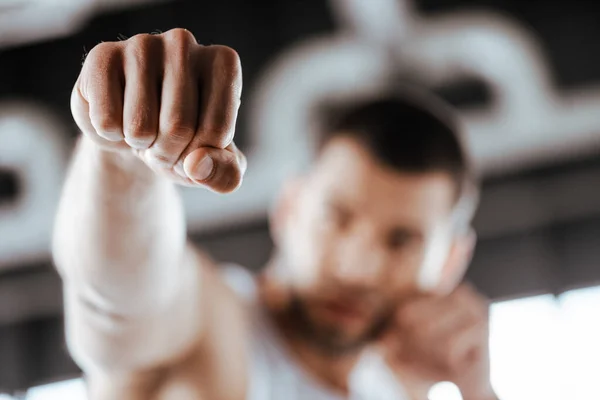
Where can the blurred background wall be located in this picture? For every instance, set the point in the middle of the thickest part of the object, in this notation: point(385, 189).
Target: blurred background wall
point(524, 74)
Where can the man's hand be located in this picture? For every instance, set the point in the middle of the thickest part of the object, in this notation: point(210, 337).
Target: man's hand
point(443, 339)
point(168, 100)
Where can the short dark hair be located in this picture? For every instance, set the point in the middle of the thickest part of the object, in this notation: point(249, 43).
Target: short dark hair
point(412, 132)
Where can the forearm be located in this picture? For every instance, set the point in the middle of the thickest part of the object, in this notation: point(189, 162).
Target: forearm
point(120, 231)
point(478, 392)
point(484, 396)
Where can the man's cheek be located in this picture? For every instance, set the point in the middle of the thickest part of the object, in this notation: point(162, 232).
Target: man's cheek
point(309, 261)
point(404, 283)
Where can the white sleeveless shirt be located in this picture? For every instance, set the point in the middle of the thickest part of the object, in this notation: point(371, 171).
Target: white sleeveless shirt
point(275, 375)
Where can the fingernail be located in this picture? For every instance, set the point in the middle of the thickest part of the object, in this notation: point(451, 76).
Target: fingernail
point(113, 136)
point(204, 169)
point(140, 144)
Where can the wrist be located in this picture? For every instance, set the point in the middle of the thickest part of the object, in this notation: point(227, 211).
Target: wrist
point(488, 397)
point(114, 158)
point(487, 394)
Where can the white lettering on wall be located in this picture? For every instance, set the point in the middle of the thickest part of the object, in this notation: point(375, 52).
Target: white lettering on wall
point(527, 123)
point(31, 148)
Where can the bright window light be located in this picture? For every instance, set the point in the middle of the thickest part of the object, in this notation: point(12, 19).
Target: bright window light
point(73, 389)
point(526, 349)
point(581, 321)
point(444, 391)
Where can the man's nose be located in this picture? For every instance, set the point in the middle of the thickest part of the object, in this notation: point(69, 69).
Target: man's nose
point(361, 260)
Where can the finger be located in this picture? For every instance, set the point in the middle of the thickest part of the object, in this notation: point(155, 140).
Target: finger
point(220, 83)
point(418, 310)
point(461, 347)
point(241, 158)
point(421, 360)
point(142, 80)
point(474, 302)
point(179, 100)
point(446, 320)
point(217, 169)
point(81, 109)
point(97, 98)
point(221, 93)
point(442, 309)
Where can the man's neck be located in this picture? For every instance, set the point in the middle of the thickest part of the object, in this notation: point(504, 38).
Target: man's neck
point(332, 371)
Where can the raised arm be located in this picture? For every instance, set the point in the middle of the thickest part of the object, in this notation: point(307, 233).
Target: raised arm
point(154, 110)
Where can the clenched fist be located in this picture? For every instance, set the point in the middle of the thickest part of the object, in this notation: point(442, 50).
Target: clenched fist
point(169, 101)
point(443, 339)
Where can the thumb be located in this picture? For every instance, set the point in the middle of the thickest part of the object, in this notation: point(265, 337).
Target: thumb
point(220, 170)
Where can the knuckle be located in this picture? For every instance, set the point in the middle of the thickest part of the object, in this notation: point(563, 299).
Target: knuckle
point(178, 45)
point(227, 64)
point(178, 132)
point(100, 63)
point(227, 56)
point(179, 35)
point(141, 40)
point(101, 53)
point(141, 47)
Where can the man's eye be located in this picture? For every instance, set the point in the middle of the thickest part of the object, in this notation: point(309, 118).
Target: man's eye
point(399, 239)
point(338, 216)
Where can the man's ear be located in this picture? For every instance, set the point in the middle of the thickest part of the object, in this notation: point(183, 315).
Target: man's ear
point(284, 207)
point(457, 263)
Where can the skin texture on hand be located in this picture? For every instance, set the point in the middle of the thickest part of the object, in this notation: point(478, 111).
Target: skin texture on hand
point(137, 296)
point(443, 338)
point(169, 101)
point(167, 107)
